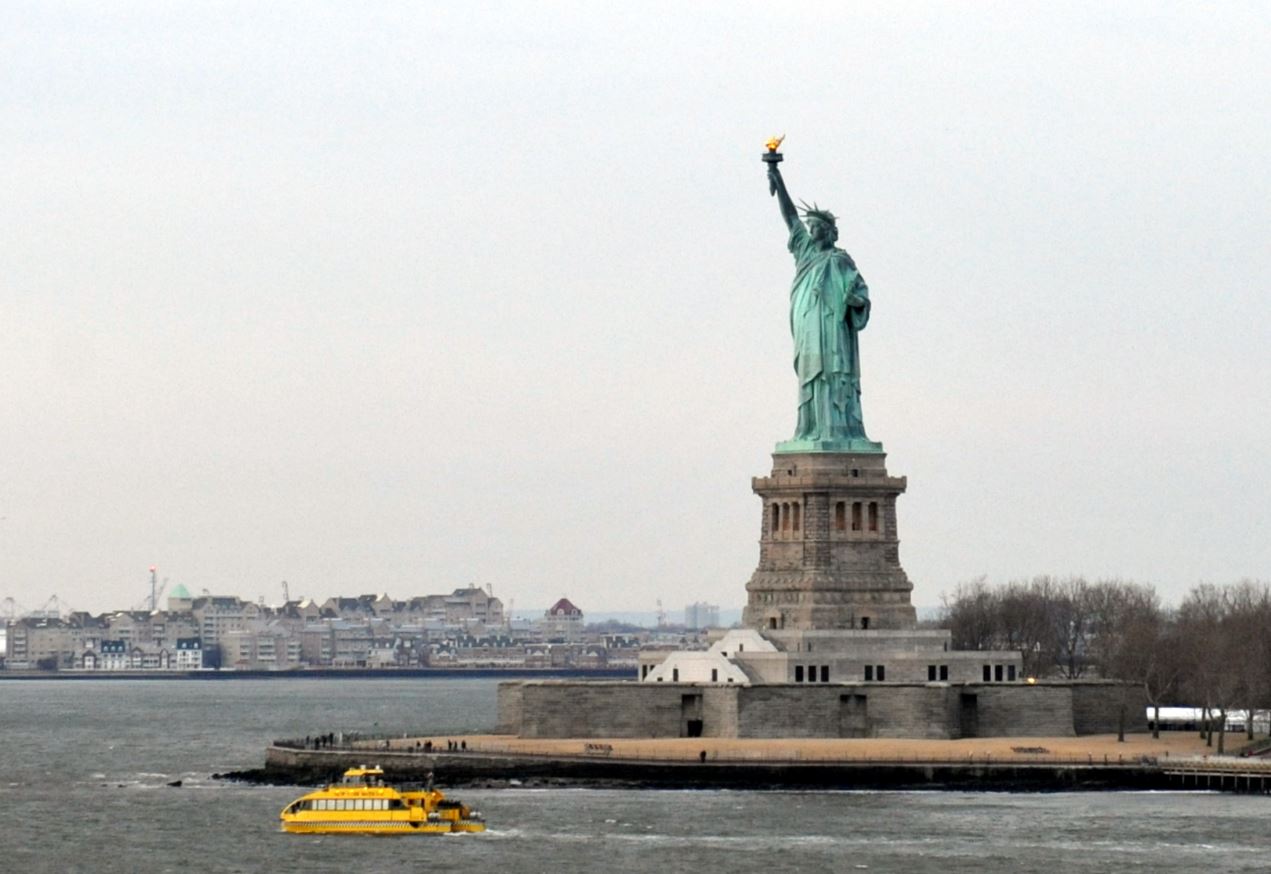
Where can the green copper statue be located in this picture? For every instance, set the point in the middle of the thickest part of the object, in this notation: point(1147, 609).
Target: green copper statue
point(829, 306)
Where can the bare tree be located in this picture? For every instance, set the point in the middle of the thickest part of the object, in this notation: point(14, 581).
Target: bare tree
point(1246, 619)
point(1025, 623)
point(1205, 625)
point(1073, 621)
point(1128, 643)
point(972, 617)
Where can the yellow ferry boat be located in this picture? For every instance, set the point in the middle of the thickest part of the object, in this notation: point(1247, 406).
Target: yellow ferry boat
point(362, 803)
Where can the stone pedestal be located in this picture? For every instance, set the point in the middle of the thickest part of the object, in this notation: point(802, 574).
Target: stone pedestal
point(829, 551)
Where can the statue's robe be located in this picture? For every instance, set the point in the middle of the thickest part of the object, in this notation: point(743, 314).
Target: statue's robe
point(826, 354)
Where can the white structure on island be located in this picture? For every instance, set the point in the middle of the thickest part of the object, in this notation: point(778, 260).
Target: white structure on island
point(744, 656)
point(714, 665)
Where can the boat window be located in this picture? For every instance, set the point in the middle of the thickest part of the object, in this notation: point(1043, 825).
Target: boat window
point(395, 804)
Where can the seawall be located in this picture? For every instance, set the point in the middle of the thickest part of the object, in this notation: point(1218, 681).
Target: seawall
point(287, 764)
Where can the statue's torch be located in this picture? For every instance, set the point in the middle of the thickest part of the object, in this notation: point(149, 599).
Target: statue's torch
point(772, 158)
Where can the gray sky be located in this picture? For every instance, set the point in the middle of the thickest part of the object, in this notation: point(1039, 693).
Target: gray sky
point(393, 297)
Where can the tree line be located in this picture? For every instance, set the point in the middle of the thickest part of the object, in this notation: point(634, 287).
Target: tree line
point(1212, 651)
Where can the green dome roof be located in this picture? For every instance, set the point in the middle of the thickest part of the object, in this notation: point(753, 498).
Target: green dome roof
point(179, 591)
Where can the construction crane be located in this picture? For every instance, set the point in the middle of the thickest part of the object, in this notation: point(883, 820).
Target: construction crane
point(661, 615)
point(156, 591)
point(286, 594)
point(53, 608)
point(12, 609)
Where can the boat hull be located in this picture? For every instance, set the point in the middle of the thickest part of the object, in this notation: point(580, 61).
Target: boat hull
point(365, 827)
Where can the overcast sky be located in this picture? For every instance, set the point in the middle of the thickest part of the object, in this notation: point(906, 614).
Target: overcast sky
point(380, 297)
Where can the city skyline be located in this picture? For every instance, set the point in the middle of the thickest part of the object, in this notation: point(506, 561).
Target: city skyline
point(383, 298)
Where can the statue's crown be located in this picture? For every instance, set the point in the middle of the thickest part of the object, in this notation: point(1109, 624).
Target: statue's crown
point(815, 212)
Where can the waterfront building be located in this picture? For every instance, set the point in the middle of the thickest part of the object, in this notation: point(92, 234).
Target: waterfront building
point(220, 614)
point(168, 626)
point(701, 615)
point(271, 648)
point(43, 642)
point(563, 622)
point(473, 605)
point(130, 626)
point(188, 654)
point(179, 599)
point(119, 655)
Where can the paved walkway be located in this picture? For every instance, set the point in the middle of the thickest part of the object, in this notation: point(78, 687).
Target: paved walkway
point(1091, 749)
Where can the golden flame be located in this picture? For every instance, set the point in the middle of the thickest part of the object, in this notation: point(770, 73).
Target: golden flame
point(775, 143)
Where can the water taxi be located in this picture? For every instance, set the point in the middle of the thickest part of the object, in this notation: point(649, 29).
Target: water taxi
point(362, 803)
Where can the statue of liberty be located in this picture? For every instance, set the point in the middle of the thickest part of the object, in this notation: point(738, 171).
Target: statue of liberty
point(829, 306)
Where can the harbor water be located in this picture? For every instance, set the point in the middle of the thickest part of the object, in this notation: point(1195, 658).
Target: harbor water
point(85, 767)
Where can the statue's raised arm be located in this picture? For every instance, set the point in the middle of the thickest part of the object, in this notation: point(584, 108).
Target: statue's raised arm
point(777, 185)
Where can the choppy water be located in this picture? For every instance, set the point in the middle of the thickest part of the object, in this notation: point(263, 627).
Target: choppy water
point(84, 767)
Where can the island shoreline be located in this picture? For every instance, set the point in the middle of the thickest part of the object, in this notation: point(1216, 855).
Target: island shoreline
point(460, 762)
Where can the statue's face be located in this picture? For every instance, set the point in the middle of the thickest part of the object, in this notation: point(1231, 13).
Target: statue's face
point(820, 232)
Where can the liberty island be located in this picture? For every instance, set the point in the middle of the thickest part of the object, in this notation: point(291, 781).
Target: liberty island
point(829, 645)
point(829, 681)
